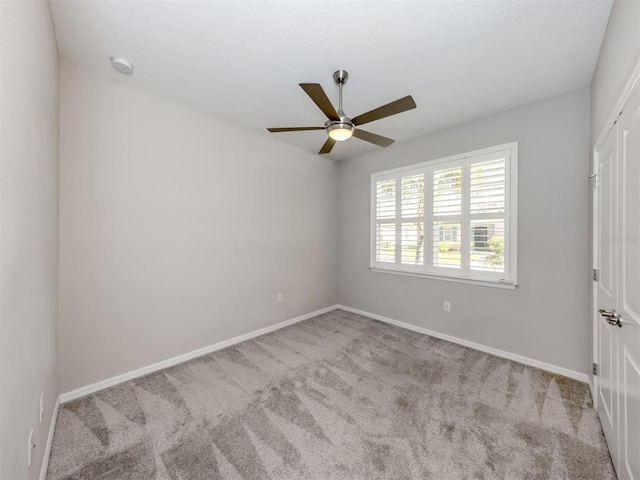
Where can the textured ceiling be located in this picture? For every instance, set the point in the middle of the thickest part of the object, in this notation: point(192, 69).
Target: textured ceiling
point(243, 60)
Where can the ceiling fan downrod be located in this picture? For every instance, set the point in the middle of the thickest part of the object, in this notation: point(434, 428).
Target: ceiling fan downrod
point(341, 77)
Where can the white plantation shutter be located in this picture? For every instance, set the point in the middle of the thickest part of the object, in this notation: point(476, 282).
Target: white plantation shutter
point(386, 199)
point(446, 218)
point(447, 193)
point(399, 220)
point(488, 186)
point(385, 243)
point(453, 217)
point(412, 220)
point(487, 215)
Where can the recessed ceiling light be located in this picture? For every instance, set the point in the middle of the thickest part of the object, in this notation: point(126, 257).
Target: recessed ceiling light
point(122, 65)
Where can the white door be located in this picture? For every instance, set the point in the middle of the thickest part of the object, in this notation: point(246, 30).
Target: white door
point(629, 289)
point(606, 256)
point(617, 291)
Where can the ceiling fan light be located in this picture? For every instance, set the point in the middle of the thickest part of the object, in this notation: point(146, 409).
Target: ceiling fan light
point(340, 131)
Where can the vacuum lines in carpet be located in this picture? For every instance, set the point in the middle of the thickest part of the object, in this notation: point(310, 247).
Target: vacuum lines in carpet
point(338, 396)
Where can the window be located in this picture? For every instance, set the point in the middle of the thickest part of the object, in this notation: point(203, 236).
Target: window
point(452, 218)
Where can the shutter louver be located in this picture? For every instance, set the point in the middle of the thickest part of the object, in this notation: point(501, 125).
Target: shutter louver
point(447, 191)
point(486, 210)
point(446, 244)
point(487, 245)
point(487, 187)
point(386, 199)
point(386, 211)
point(412, 227)
point(386, 242)
point(447, 201)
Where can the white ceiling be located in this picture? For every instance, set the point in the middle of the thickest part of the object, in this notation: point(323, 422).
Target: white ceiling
point(242, 60)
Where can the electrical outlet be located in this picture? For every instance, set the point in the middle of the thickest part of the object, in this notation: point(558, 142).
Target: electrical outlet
point(280, 298)
point(30, 446)
point(447, 306)
point(41, 407)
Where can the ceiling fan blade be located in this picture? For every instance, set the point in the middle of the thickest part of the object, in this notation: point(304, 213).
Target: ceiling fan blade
point(373, 138)
point(315, 91)
point(328, 145)
point(293, 129)
point(399, 106)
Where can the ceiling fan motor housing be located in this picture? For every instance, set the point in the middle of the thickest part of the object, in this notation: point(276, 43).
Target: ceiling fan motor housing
point(342, 129)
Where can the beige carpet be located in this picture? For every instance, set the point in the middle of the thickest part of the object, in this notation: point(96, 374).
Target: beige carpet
point(339, 396)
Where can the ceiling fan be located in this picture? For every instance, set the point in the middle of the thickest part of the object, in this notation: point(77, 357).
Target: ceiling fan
point(339, 127)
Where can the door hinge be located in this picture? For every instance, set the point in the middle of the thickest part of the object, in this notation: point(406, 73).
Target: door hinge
point(595, 275)
point(595, 369)
point(595, 179)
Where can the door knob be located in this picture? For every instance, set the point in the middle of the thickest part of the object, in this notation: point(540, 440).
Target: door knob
point(612, 317)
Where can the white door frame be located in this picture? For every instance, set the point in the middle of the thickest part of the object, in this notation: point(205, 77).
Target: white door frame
point(634, 80)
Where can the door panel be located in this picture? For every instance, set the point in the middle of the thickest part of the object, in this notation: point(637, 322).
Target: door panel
point(606, 181)
point(630, 416)
point(606, 386)
point(629, 126)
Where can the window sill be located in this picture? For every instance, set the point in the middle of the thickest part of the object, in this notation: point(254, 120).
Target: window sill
point(471, 281)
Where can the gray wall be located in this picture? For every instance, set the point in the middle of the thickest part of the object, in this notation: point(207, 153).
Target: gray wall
point(178, 230)
point(619, 53)
point(28, 232)
point(545, 317)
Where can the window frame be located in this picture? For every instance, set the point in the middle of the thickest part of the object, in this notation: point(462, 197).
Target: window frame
point(465, 274)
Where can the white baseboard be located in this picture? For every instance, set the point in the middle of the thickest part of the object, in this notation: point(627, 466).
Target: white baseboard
point(581, 377)
point(109, 382)
point(47, 448)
